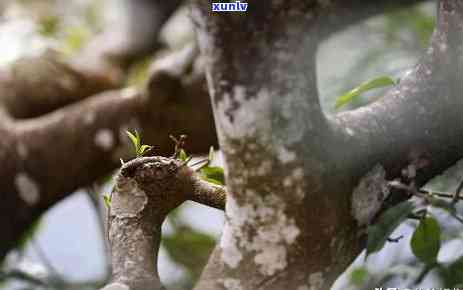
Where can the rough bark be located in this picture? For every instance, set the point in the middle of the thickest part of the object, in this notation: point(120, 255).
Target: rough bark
point(297, 208)
point(146, 190)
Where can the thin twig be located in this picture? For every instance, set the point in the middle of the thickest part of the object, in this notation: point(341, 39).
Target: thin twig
point(456, 197)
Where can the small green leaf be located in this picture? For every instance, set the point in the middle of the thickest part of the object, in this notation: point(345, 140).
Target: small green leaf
point(49, 25)
point(135, 138)
point(213, 174)
point(379, 82)
point(75, 39)
point(143, 150)
point(388, 221)
point(107, 200)
point(425, 242)
point(182, 155)
point(211, 154)
point(359, 276)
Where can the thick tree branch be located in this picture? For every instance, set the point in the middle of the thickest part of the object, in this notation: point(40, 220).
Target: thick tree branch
point(146, 190)
point(274, 136)
point(37, 85)
point(276, 142)
point(419, 121)
point(34, 86)
point(82, 142)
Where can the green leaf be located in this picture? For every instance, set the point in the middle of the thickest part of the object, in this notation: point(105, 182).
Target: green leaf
point(75, 39)
point(379, 82)
point(107, 200)
point(359, 276)
point(387, 223)
point(213, 174)
point(182, 155)
point(135, 138)
point(143, 149)
point(48, 25)
point(425, 242)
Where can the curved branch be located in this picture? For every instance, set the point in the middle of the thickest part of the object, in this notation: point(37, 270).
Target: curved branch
point(418, 122)
point(82, 142)
point(34, 86)
point(146, 190)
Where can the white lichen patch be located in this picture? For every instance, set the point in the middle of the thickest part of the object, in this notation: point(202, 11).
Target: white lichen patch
point(316, 281)
point(295, 179)
point(264, 168)
point(232, 284)
point(285, 156)
point(116, 286)
point(128, 200)
point(368, 196)
point(28, 189)
point(231, 255)
point(129, 93)
point(349, 131)
point(260, 228)
point(241, 115)
point(104, 138)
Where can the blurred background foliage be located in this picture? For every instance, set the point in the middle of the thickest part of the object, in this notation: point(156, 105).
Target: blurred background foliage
point(65, 249)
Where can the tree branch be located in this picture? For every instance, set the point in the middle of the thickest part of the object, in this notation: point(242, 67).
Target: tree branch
point(82, 142)
point(34, 86)
point(276, 141)
point(418, 121)
point(146, 190)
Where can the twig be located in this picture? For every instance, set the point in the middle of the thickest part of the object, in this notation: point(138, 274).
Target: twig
point(179, 144)
point(456, 197)
point(395, 240)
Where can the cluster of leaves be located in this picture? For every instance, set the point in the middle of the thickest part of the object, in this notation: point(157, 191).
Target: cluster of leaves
point(139, 148)
point(425, 242)
point(213, 174)
point(186, 246)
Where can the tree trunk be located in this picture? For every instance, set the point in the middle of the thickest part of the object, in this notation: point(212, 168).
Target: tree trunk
point(298, 206)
